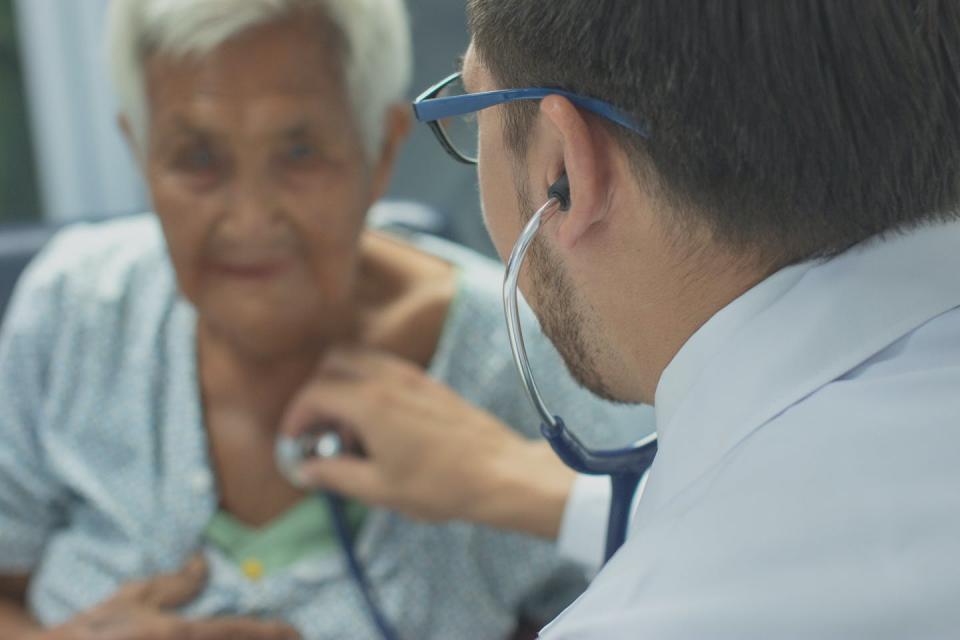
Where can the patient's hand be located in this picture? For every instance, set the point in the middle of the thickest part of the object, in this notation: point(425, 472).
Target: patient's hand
point(144, 611)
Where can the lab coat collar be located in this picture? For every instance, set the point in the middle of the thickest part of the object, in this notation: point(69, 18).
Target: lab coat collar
point(776, 346)
point(687, 364)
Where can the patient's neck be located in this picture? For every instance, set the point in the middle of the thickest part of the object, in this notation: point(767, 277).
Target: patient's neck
point(263, 386)
point(244, 399)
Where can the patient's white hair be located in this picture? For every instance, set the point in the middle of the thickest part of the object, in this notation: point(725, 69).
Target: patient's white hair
point(376, 34)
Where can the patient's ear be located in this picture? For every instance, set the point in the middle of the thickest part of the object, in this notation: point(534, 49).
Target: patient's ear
point(397, 124)
point(126, 130)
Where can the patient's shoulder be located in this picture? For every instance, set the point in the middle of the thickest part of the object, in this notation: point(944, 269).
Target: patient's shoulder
point(474, 357)
point(88, 272)
point(403, 295)
point(479, 277)
point(472, 352)
point(95, 257)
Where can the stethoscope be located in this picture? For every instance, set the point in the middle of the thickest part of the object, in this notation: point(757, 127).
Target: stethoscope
point(290, 454)
point(626, 467)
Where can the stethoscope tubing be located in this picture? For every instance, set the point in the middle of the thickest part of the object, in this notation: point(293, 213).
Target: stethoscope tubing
point(341, 527)
point(626, 467)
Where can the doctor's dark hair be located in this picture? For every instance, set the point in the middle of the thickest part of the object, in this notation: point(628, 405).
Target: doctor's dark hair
point(793, 128)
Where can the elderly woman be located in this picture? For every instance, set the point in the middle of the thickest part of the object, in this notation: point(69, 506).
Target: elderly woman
point(146, 364)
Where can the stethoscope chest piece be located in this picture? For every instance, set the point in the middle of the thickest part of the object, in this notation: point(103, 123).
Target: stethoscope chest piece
point(291, 452)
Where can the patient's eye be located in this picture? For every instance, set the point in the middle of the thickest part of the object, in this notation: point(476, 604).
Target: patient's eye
point(199, 162)
point(196, 158)
point(301, 151)
point(300, 154)
point(200, 159)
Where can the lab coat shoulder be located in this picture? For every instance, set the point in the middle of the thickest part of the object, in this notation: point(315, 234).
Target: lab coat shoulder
point(839, 515)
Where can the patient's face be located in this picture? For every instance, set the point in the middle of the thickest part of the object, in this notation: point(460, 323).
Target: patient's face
point(258, 174)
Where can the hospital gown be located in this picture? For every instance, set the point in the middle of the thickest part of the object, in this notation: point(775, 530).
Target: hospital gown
point(105, 475)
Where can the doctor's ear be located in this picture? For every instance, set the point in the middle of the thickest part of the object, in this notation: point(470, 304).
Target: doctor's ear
point(584, 148)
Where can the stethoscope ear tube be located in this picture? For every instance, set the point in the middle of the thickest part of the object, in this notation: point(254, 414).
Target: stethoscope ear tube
point(511, 307)
point(626, 466)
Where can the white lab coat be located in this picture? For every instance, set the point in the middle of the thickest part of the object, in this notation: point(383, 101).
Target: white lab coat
point(808, 478)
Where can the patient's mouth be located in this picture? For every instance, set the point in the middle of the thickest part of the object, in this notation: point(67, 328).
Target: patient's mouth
point(259, 270)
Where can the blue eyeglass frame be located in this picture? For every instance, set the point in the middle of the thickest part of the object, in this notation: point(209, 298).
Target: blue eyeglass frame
point(428, 108)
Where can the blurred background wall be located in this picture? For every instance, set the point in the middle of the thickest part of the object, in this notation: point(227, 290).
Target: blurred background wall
point(61, 155)
point(18, 189)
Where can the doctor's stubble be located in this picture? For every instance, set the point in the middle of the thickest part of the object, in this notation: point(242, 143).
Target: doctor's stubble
point(560, 310)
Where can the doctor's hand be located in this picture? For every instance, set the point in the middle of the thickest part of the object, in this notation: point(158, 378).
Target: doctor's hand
point(144, 610)
point(427, 452)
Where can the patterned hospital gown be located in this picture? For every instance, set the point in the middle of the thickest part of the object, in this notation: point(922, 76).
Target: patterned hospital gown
point(105, 475)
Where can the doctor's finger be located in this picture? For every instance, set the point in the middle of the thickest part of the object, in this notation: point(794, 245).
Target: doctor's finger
point(344, 404)
point(363, 409)
point(349, 476)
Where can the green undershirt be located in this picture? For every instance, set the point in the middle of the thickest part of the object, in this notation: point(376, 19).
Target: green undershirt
point(304, 530)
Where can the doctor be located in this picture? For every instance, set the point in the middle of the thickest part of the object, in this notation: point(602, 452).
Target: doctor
point(772, 259)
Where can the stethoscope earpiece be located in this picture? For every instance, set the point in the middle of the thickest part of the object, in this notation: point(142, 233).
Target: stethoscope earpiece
point(560, 190)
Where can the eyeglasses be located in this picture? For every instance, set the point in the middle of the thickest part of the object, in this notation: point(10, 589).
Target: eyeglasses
point(451, 112)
